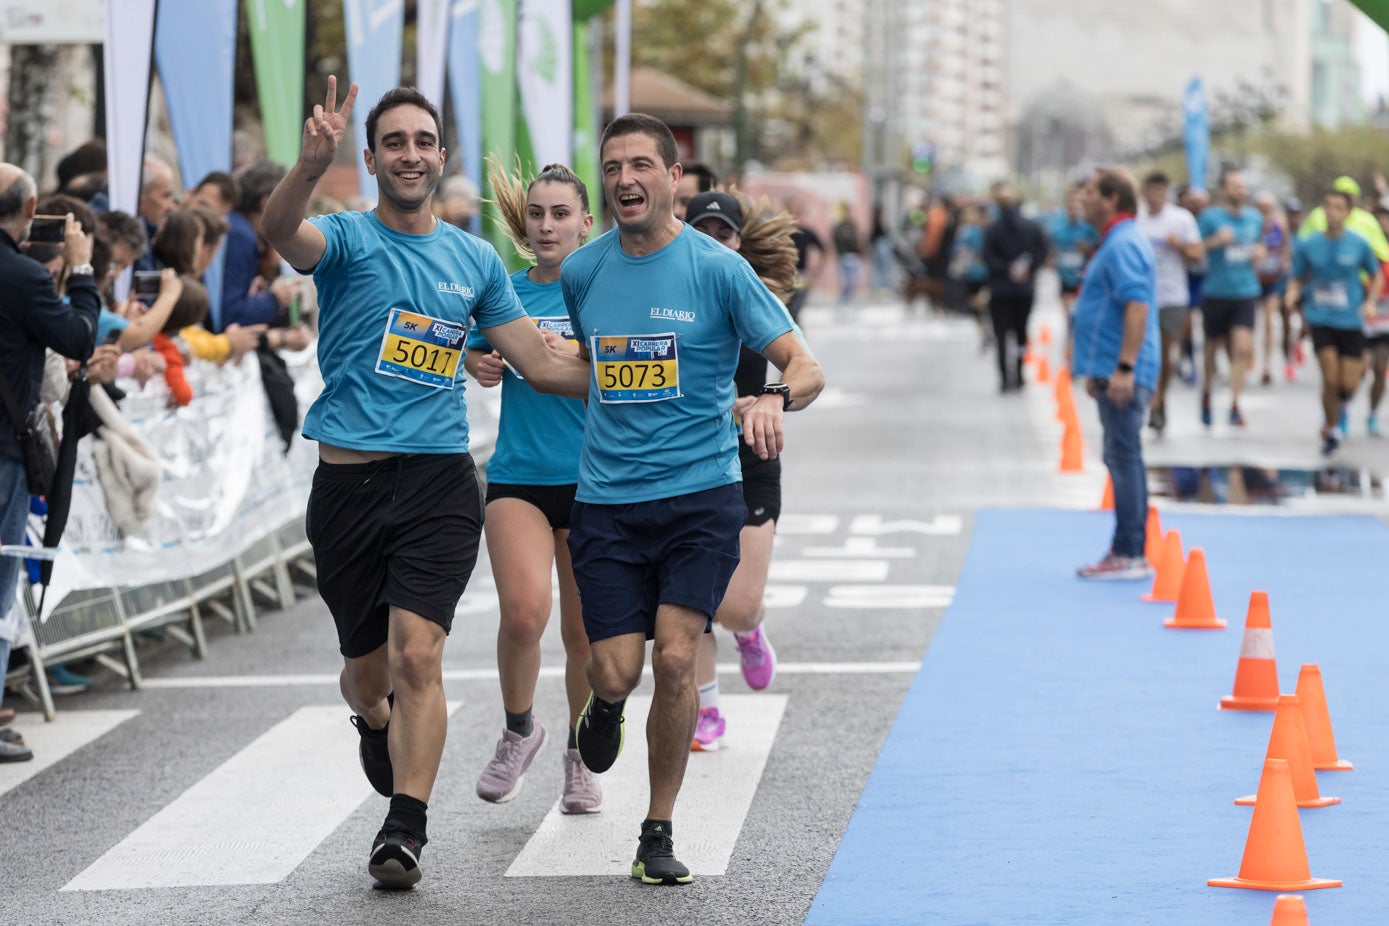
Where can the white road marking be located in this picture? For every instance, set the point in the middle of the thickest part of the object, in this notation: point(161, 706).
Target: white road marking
point(714, 800)
point(813, 524)
point(861, 548)
point(54, 742)
point(784, 596)
point(828, 570)
point(941, 525)
point(889, 596)
point(490, 675)
point(253, 819)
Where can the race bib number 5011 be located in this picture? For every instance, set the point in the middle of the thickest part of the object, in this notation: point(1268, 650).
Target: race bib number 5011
point(421, 349)
point(636, 368)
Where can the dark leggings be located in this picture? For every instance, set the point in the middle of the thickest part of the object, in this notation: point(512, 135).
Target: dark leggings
point(1010, 314)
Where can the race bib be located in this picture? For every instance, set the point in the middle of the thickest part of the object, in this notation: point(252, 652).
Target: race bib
point(1239, 253)
point(636, 368)
point(421, 349)
point(559, 324)
point(1330, 294)
point(1070, 260)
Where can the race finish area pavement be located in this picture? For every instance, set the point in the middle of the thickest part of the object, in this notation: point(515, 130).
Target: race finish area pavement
point(228, 791)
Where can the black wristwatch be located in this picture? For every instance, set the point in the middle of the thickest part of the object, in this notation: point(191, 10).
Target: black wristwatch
point(1124, 367)
point(782, 390)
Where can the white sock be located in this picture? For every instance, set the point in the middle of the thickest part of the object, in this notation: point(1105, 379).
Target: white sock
point(709, 695)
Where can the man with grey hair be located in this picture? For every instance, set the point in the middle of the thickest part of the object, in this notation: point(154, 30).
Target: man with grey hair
point(32, 317)
point(155, 204)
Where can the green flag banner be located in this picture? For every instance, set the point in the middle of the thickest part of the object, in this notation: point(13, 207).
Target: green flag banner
point(277, 47)
point(497, 53)
point(1378, 10)
point(586, 117)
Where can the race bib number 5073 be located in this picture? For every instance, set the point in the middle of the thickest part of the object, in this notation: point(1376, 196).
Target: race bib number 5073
point(636, 368)
point(421, 349)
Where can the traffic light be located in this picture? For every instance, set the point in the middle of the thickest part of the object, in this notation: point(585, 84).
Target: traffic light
point(921, 164)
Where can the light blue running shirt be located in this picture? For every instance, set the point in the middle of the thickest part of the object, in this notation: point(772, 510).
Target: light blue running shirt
point(1230, 273)
point(1066, 237)
point(663, 332)
point(540, 436)
point(394, 313)
point(1330, 269)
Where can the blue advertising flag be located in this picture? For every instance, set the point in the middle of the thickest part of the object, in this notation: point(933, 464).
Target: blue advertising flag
point(465, 90)
point(375, 30)
point(195, 53)
point(1197, 132)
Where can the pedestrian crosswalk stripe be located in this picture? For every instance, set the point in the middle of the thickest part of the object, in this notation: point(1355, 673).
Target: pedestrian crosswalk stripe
point(253, 819)
point(714, 800)
point(54, 742)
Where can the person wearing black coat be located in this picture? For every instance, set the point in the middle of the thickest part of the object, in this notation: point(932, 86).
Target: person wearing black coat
point(1015, 248)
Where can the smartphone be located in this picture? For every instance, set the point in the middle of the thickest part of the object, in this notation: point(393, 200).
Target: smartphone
point(294, 312)
point(112, 337)
point(50, 229)
point(147, 282)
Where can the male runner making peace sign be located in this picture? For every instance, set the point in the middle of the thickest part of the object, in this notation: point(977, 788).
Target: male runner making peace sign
point(395, 514)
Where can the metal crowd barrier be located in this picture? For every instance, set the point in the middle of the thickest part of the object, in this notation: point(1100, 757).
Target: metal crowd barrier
point(101, 624)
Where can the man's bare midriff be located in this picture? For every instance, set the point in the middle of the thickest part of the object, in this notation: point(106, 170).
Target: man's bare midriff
point(330, 454)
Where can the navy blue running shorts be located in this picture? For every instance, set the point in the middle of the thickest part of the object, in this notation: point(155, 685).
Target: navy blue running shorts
point(629, 559)
point(399, 532)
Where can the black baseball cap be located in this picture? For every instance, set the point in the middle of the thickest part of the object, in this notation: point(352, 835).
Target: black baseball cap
point(714, 205)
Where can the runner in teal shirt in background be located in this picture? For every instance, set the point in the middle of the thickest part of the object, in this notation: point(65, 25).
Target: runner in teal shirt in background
point(1072, 241)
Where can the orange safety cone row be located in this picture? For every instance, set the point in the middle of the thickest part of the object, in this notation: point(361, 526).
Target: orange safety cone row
point(1072, 449)
point(1063, 383)
point(1288, 741)
point(1066, 408)
point(1275, 857)
point(1256, 673)
point(1289, 910)
point(1195, 606)
point(1171, 566)
point(1318, 721)
point(1152, 542)
point(1043, 370)
point(1107, 499)
point(1044, 336)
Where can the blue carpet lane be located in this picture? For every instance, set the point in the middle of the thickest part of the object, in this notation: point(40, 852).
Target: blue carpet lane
point(1060, 758)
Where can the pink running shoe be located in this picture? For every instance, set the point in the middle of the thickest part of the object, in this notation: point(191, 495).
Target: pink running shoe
point(756, 658)
point(708, 731)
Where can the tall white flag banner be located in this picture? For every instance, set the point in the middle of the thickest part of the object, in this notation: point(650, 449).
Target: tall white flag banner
point(126, 67)
point(545, 75)
point(431, 49)
point(375, 30)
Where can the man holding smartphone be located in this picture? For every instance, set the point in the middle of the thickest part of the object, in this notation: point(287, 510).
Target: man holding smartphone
point(32, 317)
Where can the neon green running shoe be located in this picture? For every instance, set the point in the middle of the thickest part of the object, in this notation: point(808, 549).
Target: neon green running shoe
point(656, 862)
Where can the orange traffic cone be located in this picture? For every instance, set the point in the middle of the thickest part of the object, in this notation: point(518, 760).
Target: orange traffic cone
point(1066, 408)
point(1027, 354)
point(1152, 542)
point(1288, 742)
point(1289, 910)
point(1043, 369)
point(1318, 718)
point(1256, 673)
point(1044, 336)
point(1195, 606)
point(1072, 449)
point(1171, 566)
point(1063, 382)
point(1107, 499)
point(1275, 857)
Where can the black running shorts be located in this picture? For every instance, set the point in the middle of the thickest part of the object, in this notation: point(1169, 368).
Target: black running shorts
point(401, 532)
point(761, 487)
point(1349, 342)
point(555, 502)
point(629, 559)
point(1218, 316)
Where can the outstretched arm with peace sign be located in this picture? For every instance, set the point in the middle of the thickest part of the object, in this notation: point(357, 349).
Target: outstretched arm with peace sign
point(282, 223)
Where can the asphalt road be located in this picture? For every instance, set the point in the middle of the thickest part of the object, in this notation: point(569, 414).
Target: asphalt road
point(882, 479)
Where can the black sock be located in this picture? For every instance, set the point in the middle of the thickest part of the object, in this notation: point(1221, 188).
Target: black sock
point(573, 741)
point(408, 812)
point(654, 824)
point(522, 724)
point(606, 708)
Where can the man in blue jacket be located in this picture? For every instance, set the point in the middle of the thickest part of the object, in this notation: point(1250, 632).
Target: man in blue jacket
point(1115, 332)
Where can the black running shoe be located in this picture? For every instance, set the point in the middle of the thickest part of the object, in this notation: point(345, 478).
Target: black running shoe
point(375, 754)
point(656, 862)
point(395, 857)
point(599, 737)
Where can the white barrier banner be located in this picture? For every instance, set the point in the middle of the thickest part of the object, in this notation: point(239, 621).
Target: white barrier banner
point(227, 482)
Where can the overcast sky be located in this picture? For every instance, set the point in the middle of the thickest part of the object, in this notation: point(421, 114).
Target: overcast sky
point(1374, 60)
